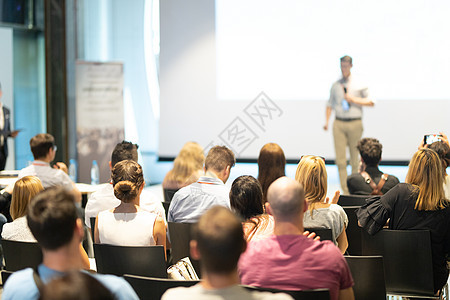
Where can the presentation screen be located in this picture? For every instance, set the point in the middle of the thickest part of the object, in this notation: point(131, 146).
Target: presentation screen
point(245, 73)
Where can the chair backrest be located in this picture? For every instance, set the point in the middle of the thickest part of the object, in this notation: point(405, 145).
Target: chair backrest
point(154, 288)
point(353, 200)
point(407, 260)
point(354, 232)
point(92, 220)
point(166, 206)
point(316, 294)
point(118, 260)
point(180, 237)
point(368, 275)
point(325, 234)
point(168, 194)
point(21, 255)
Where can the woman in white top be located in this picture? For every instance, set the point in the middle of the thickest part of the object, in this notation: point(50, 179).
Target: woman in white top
point(128, 224)
point(24, 190)
point(312, 175)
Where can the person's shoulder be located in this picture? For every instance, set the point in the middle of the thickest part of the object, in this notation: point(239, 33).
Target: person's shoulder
point(20, 285)
point(181, 293)
point(117, 285)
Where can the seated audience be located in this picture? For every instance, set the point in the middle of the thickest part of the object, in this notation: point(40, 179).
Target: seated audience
point(271, 166)
point(370, 180)
point(247, 202)
point(289, 260)
point(53, 220)
point(190, 202)
point(187, 167)
point(417, 204)
point(75, 285)
point(218, 241)
point(442, 148)
point(5, 203)
point(312, 175)
point(24, 190)
point(128, 224)
point(44, 149)
point(104, 199)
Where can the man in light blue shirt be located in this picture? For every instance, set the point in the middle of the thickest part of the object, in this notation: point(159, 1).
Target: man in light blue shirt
point(192, 201)
point(52, 218)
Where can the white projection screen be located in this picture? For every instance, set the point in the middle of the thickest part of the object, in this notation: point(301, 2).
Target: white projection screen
point(245, 73)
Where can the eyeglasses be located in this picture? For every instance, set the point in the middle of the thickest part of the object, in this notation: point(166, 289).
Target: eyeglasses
point(323, 158)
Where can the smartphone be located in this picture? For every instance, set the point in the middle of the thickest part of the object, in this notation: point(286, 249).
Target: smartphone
point(431, 138)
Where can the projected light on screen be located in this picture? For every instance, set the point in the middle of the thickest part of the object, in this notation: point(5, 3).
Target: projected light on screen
point(290, 49)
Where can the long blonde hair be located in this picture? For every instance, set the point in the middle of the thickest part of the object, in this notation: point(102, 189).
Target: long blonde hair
point(425, 174)
point(189, 161)
point(24, 190)
point(312, 175)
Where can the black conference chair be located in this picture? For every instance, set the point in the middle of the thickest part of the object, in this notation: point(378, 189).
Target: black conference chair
point(168, 194)
point(368, 275)
point(21, 255)
point(407, 260)
point(353, 200)
point(166, 206)
point(5, 276)
point(354, 232)
point(180, 237)
point(325, 234)
point(317, 294)
point(154, 288)
point(118, 260)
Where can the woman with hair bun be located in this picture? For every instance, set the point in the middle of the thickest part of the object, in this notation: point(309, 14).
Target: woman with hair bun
point(128, 224)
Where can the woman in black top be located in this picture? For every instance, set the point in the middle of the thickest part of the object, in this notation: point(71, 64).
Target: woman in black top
point(417, 204)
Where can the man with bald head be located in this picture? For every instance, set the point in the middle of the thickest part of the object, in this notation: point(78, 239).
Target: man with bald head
point(288, 260)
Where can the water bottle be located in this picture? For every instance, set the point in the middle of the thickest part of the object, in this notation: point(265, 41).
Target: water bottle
point(94, 173)
point(73, 170)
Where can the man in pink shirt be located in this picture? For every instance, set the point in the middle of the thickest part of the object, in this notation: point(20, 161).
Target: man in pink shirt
point(288, 260)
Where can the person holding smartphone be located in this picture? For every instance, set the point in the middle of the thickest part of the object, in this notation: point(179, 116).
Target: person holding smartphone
point(347, 98)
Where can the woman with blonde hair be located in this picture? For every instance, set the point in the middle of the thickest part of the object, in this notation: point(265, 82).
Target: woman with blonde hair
point(187, 167)
point(24, 190)
point(417, 204)
point(271, 166)
point(128, 224)
point(312, 175)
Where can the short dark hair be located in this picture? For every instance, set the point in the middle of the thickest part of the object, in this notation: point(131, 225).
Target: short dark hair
point(443, 150)
point(40, 144)
point(75, 285)
point(127, 178)
point(220, 240)
point(52, 217)
point(370, 150)
point(124, 151)
point(246, 197)
point(218, 158)
point(347, 58)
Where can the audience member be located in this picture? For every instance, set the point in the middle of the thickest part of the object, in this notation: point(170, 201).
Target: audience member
point(75, 285)
point(187, 167)
point(190, 202)
point(370, 180)
point(44, 149)
point(417, 204)
point(271, 166)
point(312, 175)
point(246, 200)
point(104, 199)
point(52, 218)
point(5, 204)
point(442, 148)
point(218, 241)
point(128, 224)
point(24, 190)
point(289, 260)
